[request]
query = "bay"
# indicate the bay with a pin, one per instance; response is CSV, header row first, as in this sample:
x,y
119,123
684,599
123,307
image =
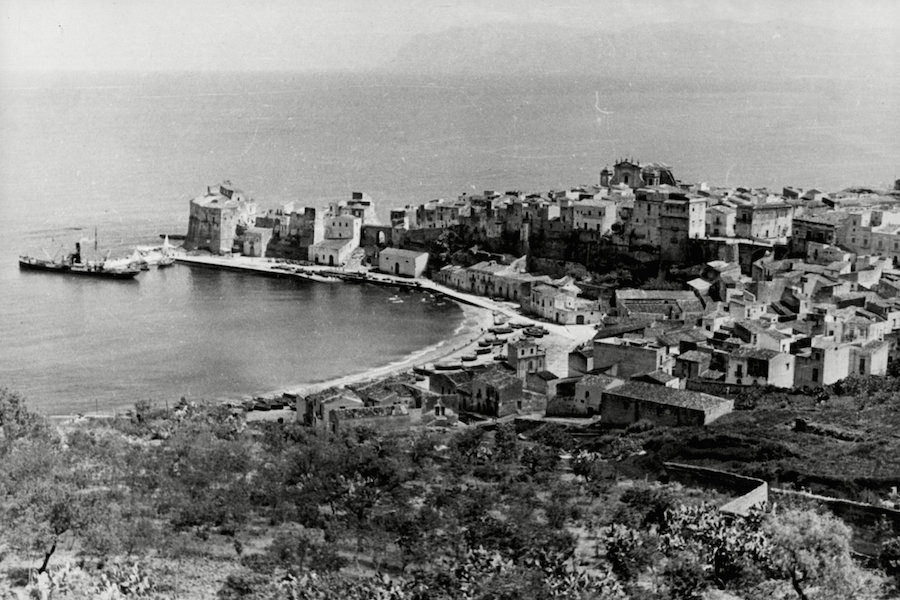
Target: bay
x,y
125,153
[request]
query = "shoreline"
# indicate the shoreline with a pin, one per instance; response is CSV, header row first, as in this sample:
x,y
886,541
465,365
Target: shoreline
x,y
479,315
476,322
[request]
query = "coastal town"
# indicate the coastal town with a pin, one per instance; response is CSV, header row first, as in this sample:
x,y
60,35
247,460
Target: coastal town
x,y
660,300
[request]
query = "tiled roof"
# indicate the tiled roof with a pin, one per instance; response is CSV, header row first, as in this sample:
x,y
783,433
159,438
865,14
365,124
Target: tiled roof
x,y
497,379
363,412
547,375
694,356
617,329
873,346
759,353
664,395
402,253
657,375
631,294
607,381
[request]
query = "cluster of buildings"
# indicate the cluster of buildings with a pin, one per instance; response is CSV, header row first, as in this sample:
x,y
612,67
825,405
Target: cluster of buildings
x,y
555,300
792,290
519,385
226,221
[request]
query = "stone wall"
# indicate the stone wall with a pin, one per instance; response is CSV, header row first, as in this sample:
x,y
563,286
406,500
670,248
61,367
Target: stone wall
x,y
716,388
567,406
750,491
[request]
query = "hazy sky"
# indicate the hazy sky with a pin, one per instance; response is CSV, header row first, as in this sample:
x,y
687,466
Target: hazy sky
x,y
336,34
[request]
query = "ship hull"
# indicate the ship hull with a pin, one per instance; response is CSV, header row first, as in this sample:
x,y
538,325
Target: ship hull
x,y
33,264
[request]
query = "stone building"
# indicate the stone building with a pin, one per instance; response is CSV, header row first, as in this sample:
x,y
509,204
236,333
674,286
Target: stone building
x,y
683,218
561,304
495,393
342,236
526,356
760,366
635,401
720,220
315,409
408,263
218,217
256,240
307,227
637,175
770,221
594,215
383,419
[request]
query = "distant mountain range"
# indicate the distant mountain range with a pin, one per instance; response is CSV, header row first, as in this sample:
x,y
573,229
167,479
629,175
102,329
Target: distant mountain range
x,y
772,50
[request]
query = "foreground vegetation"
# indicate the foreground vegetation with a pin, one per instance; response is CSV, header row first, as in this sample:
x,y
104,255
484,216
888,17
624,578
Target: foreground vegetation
x,y
198,503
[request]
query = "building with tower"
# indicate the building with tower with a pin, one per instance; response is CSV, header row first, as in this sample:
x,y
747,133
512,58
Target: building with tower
x,y
637,175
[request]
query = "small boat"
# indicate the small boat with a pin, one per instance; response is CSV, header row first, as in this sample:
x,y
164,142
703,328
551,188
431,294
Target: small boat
x,y
166,261
323,278
483,350
468,357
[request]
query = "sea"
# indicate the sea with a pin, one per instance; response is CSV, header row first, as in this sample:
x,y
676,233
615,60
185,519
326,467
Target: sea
x,y
113,159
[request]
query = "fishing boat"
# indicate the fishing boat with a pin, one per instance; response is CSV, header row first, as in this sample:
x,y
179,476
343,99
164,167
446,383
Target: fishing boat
x,y
165,261
74,265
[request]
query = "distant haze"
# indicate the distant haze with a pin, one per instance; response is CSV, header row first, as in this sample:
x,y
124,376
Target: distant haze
x,y
519,35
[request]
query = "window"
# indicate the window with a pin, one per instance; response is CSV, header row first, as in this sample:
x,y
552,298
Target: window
x,y
862,366
815,374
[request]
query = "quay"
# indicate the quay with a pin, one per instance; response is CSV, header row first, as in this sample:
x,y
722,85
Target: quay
x,y
268,267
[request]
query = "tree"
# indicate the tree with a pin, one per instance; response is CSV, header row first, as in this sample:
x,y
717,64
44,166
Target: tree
x,y
889,558
206,479
812,552
42,501
506,443
538,458
16,421
296,550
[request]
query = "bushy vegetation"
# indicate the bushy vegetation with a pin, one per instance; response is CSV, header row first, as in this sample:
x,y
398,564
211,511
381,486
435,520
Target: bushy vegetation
x,y
280,511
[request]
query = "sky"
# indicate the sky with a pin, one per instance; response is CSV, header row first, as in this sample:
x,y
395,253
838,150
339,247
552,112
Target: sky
x,y
305,35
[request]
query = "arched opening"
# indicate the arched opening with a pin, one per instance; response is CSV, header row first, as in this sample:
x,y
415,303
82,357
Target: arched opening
x,y
330,260
396,268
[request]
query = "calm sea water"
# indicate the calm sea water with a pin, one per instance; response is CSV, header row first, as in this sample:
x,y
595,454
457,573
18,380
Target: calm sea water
x,y
125,153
